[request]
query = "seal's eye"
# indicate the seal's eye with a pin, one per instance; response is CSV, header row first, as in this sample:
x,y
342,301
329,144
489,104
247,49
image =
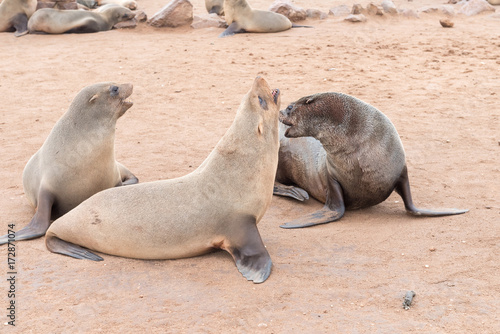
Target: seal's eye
x,y
290,107
113,90
263,103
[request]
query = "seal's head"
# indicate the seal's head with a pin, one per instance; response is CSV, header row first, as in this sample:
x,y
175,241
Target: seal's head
x,y
267,98
104,100
261,104
308,116
118,13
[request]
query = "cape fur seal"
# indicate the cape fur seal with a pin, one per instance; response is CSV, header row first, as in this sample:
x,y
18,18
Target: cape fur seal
x,y
14,15
55,21
77,159
216,206
130,4
242,18
354,159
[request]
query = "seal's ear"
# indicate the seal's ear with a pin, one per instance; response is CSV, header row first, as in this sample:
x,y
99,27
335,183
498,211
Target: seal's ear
x,y
93,98
310,99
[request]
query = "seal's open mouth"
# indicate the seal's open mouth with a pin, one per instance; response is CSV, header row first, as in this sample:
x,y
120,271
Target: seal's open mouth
x,y
275,93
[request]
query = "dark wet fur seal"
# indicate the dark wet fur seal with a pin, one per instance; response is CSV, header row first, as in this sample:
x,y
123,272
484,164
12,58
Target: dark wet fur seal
x,y
351,158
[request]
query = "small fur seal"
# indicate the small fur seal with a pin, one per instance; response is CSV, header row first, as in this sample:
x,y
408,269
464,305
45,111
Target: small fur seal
x,y
242,18
14,15
55,21
216,206
351,158
77,159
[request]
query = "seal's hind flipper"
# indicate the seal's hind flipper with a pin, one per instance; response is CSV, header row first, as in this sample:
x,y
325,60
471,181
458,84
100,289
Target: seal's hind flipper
x,y
20,23
290,191
233,28
249,253
333,210
40,221
403,189
56,245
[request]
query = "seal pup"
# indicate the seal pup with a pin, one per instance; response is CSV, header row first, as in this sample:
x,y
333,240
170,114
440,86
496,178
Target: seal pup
x,y
55,21
351,158
215,6
216,206
77,159
14,15
242,18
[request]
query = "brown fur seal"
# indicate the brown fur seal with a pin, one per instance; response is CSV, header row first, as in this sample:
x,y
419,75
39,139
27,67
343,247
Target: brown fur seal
x,y
14,15
215,6
55,21
77,159
242,18
354,159
216,206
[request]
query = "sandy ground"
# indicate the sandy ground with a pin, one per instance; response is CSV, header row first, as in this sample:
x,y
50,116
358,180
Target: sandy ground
x,y
440,87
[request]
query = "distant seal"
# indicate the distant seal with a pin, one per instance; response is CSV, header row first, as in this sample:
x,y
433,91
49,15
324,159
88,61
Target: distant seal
x,y
216,206
215,6
130,4
351,158
14,15
242,18
55,21
77,159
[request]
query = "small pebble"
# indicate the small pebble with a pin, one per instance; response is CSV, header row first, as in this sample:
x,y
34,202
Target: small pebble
x,y
446,23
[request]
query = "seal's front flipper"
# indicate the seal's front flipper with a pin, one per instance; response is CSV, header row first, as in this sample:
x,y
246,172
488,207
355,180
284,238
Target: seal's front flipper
x,y
403,189
245,245
56,245
233,28
333,210
126,176
290,191
20,23
40,221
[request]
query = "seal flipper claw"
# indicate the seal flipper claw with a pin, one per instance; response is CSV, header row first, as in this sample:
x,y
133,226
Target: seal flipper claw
x,y
290,191
40,221
56,245
333,210
248,251
403,189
